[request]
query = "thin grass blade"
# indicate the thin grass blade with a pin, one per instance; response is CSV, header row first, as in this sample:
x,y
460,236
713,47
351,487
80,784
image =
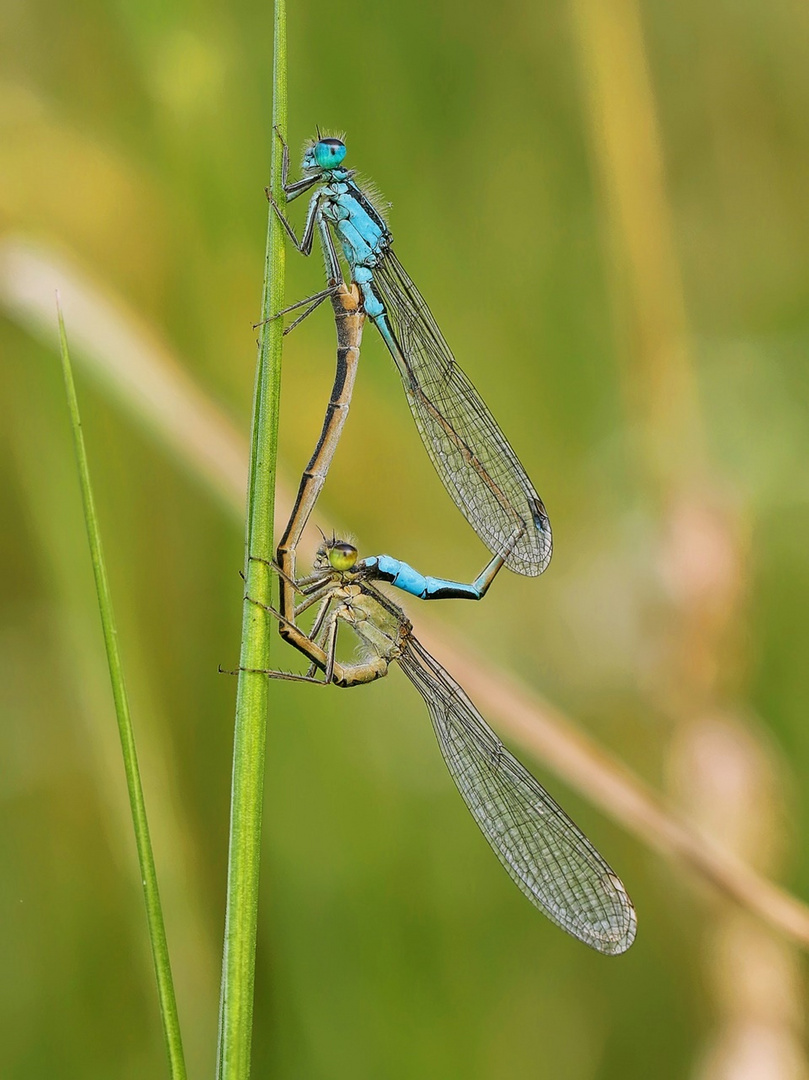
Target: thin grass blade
x,y
252,694
151,895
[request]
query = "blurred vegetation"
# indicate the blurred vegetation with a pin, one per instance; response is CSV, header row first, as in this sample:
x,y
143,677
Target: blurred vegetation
x,y
135,144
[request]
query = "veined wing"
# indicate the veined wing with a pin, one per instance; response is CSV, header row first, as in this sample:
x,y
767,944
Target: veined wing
x,y
548,857
469,451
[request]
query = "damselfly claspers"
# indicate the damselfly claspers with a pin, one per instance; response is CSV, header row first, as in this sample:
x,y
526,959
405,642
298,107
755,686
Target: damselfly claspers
x,y
349,320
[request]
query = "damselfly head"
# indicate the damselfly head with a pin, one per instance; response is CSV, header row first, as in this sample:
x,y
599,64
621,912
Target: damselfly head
x,y
341,555
328,153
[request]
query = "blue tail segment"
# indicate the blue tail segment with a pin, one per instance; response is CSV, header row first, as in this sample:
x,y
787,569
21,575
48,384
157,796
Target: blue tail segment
x,y
404,577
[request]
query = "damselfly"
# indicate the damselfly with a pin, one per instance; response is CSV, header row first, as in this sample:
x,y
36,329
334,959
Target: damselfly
x,y
542,850
475,461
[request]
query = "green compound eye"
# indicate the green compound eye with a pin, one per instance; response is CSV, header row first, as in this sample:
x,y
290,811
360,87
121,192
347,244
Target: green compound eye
x,y
342,556
329,153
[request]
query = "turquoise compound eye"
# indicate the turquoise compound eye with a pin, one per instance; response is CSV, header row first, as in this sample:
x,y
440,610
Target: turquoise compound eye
x,y
329,153
342,556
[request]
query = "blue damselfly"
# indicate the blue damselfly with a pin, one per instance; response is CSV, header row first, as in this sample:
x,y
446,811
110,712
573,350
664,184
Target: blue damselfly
x,y
475,461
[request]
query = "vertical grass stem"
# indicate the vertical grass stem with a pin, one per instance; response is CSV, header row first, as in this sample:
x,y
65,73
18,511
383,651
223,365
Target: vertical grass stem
x,y
154,914
252,695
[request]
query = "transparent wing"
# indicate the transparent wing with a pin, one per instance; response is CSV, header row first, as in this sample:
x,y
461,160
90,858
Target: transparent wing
x,y
548,857
469,451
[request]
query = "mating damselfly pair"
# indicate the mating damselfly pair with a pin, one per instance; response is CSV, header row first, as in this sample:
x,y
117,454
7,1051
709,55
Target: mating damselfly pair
x,y
543,851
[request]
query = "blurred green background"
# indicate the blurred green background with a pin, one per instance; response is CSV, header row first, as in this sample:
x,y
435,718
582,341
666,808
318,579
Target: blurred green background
x,y
606,208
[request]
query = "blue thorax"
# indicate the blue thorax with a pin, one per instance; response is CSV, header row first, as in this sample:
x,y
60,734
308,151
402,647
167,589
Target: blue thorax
x,y
362,233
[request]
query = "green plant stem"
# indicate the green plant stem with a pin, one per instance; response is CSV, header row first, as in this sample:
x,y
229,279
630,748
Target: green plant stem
x,y
252,695
154,914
